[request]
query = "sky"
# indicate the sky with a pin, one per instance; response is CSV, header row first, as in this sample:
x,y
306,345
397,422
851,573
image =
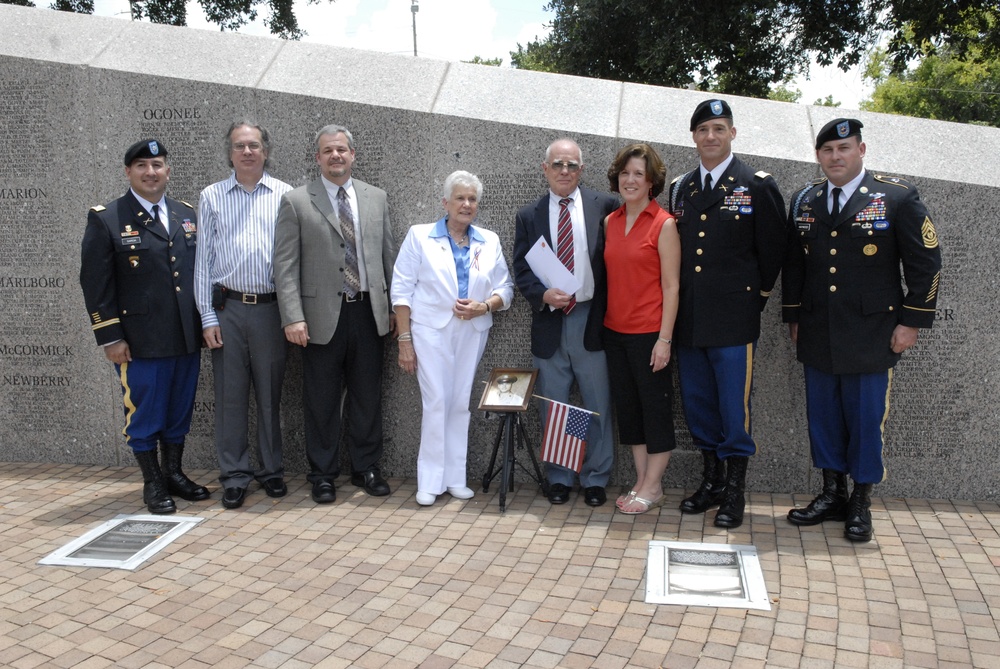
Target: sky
x,y
460,30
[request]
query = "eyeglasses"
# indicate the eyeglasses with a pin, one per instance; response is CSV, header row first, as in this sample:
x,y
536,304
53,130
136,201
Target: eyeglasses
x,y
253,146
560,165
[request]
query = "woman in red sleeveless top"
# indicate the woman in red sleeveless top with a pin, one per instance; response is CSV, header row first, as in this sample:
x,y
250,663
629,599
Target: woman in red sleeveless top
x,y
642,255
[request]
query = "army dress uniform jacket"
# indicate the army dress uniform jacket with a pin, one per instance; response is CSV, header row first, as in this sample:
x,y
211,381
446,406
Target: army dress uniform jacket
x,y
138,282
841,281
733,241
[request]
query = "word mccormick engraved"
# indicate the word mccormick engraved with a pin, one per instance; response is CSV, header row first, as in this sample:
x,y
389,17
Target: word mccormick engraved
x,y
18,350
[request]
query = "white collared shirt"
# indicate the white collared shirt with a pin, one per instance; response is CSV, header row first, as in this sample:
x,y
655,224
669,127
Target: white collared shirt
x,y
581,256
716,171
847,190
331,190
162,204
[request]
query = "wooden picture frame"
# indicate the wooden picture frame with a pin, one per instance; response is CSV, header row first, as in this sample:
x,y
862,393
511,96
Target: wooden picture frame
x,y
508,389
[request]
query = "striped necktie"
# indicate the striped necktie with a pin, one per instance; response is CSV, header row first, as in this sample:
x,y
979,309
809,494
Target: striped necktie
x,y
564,245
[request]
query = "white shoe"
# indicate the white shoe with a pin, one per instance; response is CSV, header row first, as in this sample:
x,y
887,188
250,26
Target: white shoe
x,y
425,498
461,492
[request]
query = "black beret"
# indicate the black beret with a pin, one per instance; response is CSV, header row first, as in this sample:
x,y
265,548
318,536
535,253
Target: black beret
x,y
710,109
839,128
147,148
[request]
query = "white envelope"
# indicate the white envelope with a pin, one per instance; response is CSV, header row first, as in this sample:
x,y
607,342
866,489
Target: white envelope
x,y
550,271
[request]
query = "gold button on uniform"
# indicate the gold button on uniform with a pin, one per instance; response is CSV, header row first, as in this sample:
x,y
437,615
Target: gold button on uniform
x,y
833,289
833,234
699,251
697,268
833,252
173,258
178,289
704,217
701,234
833,270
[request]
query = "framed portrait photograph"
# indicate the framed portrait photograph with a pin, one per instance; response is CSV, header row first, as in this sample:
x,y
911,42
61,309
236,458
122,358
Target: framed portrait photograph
x,y
509,389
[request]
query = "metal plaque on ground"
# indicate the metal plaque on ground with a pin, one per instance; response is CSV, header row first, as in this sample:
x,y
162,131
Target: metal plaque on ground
x,y
122,543
693,574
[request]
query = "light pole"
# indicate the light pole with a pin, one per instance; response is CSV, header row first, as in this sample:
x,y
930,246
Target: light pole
x,y
414,8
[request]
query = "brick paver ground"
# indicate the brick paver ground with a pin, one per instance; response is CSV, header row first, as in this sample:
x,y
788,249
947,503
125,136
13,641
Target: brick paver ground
x,y
381,582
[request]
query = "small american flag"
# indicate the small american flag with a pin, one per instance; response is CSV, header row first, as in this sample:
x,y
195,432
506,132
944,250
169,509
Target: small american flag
x,y
566,435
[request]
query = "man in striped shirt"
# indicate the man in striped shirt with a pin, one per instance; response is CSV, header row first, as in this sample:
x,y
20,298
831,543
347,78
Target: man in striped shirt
x,y
234,288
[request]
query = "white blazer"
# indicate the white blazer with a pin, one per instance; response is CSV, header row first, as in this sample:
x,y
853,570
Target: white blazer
x,y
424,277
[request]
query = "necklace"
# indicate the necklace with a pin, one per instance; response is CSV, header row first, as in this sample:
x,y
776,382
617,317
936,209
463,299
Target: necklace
x,y
461,241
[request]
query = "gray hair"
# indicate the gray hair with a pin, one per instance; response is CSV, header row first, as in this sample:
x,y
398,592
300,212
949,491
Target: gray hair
x,y
334,129
265,139
462,179
548,151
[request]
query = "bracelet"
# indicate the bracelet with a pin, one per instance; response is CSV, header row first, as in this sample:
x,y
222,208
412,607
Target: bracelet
x,y
665,341
405,336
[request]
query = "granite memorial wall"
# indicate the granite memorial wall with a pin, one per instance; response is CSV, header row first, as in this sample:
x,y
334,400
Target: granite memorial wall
x,y
75,91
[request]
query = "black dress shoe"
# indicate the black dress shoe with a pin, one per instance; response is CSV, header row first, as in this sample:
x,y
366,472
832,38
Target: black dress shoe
x,y
275,487
595,496
324,492
233,498
558,493
372,482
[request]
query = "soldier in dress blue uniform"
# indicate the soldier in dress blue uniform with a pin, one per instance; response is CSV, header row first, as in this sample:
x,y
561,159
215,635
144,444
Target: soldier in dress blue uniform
x,y
137,274
849,315
731,221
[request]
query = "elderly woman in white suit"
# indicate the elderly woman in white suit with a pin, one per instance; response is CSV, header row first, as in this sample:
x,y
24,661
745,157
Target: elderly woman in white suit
x,y
450,277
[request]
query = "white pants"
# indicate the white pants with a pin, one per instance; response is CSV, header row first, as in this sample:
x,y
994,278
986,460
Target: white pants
x,y
446,368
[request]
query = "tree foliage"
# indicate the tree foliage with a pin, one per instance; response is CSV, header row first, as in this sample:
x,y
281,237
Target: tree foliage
x,y
939,87
479,60
741,47
227,14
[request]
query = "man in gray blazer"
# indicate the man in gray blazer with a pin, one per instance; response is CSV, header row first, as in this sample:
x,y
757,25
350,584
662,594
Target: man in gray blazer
x,y
333,258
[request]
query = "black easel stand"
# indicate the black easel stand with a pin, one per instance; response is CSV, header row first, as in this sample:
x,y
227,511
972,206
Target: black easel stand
x,y
511,432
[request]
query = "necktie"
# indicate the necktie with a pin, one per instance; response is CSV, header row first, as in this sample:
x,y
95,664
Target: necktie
x,y
352,277
708,182
835,206
156,217
564,245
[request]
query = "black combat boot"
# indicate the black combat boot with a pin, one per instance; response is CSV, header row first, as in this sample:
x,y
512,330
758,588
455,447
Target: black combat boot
x,y
730,513
713,485
859,515
831,504
177,483
154,489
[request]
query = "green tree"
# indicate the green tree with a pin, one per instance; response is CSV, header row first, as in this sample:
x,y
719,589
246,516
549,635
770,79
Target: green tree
x,y
826,102
477,60
783,93
228,14
741,47
940,86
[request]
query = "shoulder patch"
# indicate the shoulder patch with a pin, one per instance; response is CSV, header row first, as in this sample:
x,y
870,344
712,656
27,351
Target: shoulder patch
x,y
818,181
189,205
895,181
98,208
762,174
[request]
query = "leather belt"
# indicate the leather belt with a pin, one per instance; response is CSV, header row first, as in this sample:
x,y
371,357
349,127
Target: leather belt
x,y
251,298
360,297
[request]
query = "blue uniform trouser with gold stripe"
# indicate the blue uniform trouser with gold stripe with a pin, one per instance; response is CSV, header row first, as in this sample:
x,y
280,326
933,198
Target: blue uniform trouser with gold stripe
x,y
715,387
847,414
159,399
